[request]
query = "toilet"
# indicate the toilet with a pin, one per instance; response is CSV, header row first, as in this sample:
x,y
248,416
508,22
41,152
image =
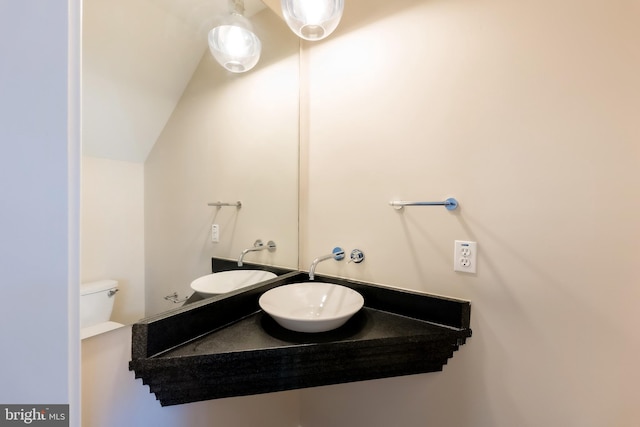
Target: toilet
x,y
96,305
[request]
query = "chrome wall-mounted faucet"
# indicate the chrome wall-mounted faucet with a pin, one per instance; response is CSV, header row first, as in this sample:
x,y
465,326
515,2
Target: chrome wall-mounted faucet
x,y
337,254
257,246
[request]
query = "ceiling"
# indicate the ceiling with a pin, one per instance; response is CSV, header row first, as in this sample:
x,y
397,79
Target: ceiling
x,y
138,56
196,12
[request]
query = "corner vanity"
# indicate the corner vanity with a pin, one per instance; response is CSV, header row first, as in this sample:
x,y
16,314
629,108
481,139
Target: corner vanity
x,y
227,346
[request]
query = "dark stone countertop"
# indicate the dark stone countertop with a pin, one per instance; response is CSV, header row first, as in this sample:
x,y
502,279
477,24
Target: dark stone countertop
x,y
226,346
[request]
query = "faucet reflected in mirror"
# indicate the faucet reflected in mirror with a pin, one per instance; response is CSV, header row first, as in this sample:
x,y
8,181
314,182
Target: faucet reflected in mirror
x,y
257,246
157,145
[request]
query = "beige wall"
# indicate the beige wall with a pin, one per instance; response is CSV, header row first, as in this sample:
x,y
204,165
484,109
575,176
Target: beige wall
x,y
231,137
526,112
112,211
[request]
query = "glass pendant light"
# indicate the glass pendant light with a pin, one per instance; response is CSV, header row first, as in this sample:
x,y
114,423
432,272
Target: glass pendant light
x,y
233,43
312,19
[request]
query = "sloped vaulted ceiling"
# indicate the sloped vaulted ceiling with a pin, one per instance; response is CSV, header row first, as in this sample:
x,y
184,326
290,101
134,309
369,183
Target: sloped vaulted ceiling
x,y
138,56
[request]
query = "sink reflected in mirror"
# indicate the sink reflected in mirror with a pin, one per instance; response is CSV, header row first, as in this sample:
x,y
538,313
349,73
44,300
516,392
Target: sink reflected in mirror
x,y
311,306
228,281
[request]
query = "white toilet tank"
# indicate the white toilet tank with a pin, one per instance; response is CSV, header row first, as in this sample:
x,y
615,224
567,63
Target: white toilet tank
x,y
96,302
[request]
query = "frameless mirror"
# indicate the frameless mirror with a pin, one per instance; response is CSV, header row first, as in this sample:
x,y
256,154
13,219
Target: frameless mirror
x,y
165,131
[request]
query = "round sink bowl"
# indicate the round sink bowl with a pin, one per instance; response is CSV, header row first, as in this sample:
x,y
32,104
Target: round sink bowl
x,y
311,306
227,281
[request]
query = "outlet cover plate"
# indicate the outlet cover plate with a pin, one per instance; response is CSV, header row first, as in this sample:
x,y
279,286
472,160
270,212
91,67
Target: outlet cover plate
x,y
465,256
215,233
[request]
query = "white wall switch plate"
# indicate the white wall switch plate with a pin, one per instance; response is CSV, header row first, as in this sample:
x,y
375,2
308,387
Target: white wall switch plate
x,y
465,256
215,233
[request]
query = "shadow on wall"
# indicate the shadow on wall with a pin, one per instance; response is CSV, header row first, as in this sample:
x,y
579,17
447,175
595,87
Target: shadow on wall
x,y
111,396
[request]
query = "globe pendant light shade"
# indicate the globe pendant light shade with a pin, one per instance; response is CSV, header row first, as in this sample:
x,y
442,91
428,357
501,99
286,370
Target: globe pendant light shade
x,y
234,44
312,19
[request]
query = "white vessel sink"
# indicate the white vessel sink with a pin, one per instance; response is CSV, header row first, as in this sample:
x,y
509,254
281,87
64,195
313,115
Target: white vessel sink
x,y
227,281
311,306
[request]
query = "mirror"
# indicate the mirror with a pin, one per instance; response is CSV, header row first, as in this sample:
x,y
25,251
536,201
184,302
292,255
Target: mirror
x,y
166,130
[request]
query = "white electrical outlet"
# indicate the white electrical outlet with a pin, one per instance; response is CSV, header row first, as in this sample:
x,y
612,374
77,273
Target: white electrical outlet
x,y
215,233
465,256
